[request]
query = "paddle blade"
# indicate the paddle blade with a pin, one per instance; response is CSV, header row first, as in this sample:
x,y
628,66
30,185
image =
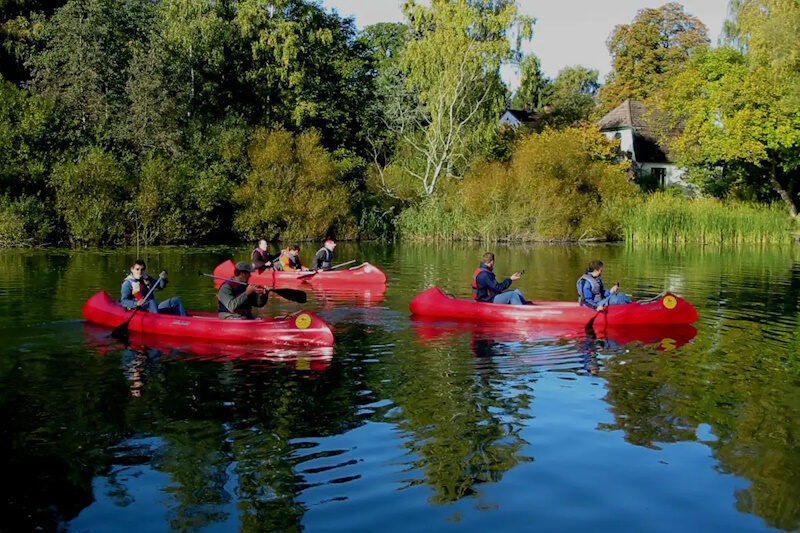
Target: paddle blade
x,y
293,295
121,332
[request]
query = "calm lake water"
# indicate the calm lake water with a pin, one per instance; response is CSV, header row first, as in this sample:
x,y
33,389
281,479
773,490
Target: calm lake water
x,y
408,424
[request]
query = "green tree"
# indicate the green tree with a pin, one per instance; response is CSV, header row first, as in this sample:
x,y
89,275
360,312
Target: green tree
x,y
533,84
291,191
82,62
734,118
572,95
649,51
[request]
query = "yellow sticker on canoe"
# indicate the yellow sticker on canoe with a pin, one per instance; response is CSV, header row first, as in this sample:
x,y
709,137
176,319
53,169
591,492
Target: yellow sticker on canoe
x,y
668,344
669,302
302,321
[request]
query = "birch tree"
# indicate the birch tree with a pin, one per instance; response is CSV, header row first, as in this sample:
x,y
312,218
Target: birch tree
x,y
453,92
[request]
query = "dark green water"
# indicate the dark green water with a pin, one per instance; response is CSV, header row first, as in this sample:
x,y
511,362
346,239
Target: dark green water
x,y
408,424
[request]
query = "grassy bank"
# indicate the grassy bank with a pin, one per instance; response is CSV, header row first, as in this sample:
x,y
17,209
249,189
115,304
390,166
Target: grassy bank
x,y
668,219
659,218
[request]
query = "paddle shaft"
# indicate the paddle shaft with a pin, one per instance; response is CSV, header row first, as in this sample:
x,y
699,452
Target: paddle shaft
x,y
314,272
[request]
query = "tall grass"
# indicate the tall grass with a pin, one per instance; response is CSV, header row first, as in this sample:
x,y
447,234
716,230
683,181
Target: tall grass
x,y
664,218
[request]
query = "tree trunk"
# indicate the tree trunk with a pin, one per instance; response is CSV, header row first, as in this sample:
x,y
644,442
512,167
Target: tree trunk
x,y
785,195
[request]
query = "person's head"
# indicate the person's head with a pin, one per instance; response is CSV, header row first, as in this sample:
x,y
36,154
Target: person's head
x,y
294,250
262,245
242,271
330,245
137,268
488,259
595,267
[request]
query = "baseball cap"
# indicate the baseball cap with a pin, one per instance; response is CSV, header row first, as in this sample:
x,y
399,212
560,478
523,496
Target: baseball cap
x,y
243,266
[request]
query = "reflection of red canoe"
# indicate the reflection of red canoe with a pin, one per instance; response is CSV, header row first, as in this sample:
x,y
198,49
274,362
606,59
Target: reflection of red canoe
x,y
364,296
666,337
365,274
666,309
306,358
304,329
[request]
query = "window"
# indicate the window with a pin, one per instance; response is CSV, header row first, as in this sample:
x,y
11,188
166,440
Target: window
x,y
660,176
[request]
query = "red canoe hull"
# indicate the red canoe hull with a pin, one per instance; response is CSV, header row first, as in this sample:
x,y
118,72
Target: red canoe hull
x,y
666,309
303,329
362,275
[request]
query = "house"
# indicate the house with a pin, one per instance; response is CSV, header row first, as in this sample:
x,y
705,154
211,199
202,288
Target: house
x,y
520,117
638,132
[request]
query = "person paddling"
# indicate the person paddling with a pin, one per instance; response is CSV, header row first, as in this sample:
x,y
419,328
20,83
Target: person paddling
x,y
485,287
236,298
136,286
260,257
290,259
592,293
324,256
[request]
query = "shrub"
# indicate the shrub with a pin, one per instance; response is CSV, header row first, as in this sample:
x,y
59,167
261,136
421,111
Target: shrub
x,y
292,190
24,221
91,194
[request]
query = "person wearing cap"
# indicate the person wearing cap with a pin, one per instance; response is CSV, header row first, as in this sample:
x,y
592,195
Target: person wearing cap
x,y
260,257
236,298
135,292
324,256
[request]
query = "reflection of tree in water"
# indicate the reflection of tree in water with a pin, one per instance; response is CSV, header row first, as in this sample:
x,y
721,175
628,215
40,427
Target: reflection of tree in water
x,y
744,384
464,424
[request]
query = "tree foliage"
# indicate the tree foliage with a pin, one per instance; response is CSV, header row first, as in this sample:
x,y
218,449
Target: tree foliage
x,y
647,52
292,190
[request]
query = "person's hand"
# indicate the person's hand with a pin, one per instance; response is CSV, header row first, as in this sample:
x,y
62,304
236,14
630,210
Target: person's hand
x,y
260,289
250,289
599,308
140,302
515,276
268,264
614,288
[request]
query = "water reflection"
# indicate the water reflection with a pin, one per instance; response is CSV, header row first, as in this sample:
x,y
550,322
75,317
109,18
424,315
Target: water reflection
x,y
408,418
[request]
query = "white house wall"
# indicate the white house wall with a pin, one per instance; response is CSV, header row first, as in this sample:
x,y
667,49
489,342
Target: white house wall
x,y
625,140
672,174
509,119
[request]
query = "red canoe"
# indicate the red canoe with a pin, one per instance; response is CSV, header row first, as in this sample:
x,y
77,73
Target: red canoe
x,y
362,275
303,329
665,309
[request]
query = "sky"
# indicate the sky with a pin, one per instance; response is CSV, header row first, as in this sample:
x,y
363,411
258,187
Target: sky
x,y
567,32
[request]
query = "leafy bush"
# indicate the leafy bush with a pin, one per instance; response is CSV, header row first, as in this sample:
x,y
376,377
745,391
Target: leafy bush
x,y
562,185
292,190
24,221
91,194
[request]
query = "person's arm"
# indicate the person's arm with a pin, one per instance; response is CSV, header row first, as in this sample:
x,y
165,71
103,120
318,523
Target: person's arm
x,y
127,300
228,300
319,258
488,281
588,297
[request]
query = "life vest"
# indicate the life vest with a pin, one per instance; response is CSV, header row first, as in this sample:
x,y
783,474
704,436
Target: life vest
x,y
238,289
139,287
595,283
481,268
263,256
326,263
290,262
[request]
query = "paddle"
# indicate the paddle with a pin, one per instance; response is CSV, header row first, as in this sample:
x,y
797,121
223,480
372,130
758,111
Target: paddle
x,y
340,265
121,331
293,295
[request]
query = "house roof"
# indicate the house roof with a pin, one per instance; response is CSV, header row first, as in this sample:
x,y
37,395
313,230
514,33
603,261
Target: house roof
x,y
652,135
527,118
